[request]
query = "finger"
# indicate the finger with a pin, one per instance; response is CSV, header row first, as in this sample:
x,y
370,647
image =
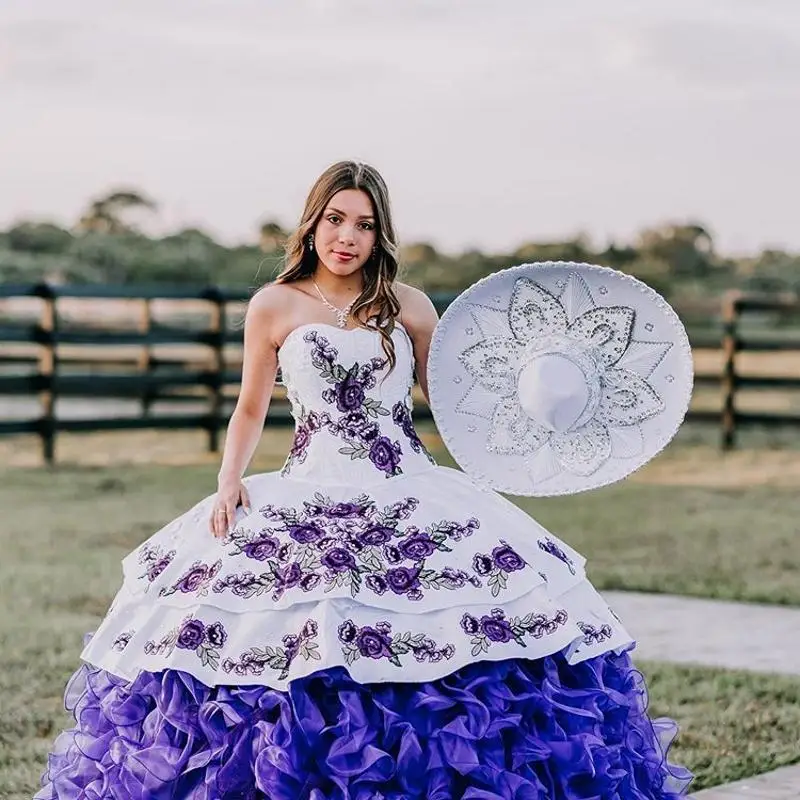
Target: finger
x,y
245,497
230,516
220,522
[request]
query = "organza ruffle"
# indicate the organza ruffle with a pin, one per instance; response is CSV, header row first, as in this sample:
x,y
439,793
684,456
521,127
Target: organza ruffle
x,y
537,730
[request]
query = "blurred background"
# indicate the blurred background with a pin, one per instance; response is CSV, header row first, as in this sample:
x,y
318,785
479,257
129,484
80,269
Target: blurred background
x,y
156,154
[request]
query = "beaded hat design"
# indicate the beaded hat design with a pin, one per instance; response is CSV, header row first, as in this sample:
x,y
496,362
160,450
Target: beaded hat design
x,y
558,377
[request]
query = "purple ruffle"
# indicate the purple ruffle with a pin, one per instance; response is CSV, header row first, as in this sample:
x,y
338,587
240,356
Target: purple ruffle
x,y
511,729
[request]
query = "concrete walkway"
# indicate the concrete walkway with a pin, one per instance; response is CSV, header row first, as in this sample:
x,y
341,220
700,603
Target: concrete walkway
x,y
716,633
781,784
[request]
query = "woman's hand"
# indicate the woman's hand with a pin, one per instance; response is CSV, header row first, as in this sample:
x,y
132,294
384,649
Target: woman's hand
x,y
231,493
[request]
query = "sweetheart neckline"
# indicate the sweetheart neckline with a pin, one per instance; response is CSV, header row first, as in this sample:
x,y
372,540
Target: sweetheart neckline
x,y
304,325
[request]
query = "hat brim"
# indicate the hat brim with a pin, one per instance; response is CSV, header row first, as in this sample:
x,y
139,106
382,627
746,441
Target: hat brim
x,y
646,360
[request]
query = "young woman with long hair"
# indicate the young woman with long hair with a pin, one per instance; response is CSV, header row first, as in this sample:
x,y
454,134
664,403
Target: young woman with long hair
x,y
340,629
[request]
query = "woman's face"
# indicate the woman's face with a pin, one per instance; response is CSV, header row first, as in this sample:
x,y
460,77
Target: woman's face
x,y
345,234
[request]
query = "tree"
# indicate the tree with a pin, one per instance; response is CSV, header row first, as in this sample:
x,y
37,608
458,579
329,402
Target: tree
x,y
105,215
688,248
38,237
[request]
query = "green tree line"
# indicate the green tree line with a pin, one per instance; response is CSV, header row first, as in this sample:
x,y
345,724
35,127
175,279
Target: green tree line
x,y
107,245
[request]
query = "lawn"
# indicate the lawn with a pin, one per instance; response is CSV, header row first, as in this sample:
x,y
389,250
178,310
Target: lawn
x,y
693,522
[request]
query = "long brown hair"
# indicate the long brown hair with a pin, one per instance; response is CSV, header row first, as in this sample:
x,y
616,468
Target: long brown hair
x,y
380,270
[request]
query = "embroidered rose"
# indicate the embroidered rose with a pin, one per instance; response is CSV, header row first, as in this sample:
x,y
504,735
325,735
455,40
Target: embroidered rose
x,y
495,628
191,634
216,635
507,559
482,564
377,583
469,624
309,581
305,532
193,579
402,580
417,547
376,535
498,630
343,510
373,644
385,455
392,554
339,560
349,394
261,549
378,642
347,631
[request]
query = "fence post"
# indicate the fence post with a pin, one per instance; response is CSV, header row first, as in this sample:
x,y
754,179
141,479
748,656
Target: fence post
x,y
216,398
48,372
145,361
730,346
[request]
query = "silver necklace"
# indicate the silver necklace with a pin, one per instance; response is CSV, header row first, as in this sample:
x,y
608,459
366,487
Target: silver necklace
x,y
341,313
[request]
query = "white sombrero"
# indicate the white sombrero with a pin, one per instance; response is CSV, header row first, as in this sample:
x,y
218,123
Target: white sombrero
x,y
558,377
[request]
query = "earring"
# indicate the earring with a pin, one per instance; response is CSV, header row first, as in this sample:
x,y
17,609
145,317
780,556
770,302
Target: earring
x,y
311,241
374,251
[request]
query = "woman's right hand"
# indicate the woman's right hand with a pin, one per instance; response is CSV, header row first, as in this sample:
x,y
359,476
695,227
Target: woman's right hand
x,y
231,493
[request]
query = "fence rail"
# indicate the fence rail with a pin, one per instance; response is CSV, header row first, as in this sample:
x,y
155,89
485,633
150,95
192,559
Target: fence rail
x,y
56,355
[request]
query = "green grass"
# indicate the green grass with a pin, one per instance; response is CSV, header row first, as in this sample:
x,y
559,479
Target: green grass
x,y
63,532
737,543
733,724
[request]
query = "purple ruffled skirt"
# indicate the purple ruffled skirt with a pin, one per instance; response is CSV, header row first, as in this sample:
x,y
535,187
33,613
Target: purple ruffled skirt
x,y
532,730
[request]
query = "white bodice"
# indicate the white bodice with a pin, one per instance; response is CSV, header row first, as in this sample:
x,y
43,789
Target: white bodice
x,y
352,414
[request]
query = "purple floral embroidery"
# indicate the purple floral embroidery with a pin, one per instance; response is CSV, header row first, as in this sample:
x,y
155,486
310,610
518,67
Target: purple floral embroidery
x,y
401,416
348,544
307,425
497,566
256,659
592,634
378,642
155,560
192,634
122,641
495,628
195,580
549,546
384,454
357,412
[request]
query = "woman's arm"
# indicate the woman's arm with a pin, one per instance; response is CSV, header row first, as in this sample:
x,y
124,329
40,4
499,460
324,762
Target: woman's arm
x,y
419,318
259,368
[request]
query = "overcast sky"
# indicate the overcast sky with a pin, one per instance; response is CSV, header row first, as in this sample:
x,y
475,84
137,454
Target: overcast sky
x,y
493,122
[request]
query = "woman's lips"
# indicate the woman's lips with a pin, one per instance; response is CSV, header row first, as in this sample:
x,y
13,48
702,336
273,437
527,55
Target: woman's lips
x,y
344,256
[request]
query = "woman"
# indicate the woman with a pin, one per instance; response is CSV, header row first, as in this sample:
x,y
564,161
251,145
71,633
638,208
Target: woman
x,y
364,623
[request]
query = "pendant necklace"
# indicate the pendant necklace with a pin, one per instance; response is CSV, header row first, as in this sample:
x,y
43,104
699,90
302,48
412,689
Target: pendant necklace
x,y
341,313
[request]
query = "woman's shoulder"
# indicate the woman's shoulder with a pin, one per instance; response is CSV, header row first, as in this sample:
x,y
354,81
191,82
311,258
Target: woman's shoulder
x,y
416,308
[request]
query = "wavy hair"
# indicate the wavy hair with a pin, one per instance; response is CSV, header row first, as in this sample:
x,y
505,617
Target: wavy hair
x,y
380,270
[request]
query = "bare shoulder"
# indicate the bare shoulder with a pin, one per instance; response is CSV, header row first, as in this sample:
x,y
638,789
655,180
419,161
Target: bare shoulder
x,y
269,308
416,308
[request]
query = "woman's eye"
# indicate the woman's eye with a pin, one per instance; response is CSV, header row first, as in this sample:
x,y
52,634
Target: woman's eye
x,y
367,226
334,219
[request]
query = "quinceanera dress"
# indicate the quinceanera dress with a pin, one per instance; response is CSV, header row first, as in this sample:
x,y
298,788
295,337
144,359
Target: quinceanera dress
x,y
377,627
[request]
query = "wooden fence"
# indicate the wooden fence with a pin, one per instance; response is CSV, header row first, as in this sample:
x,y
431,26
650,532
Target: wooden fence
x,y
56,355
736,306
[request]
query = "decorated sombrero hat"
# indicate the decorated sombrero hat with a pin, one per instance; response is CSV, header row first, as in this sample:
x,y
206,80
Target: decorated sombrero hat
x,y
558,377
